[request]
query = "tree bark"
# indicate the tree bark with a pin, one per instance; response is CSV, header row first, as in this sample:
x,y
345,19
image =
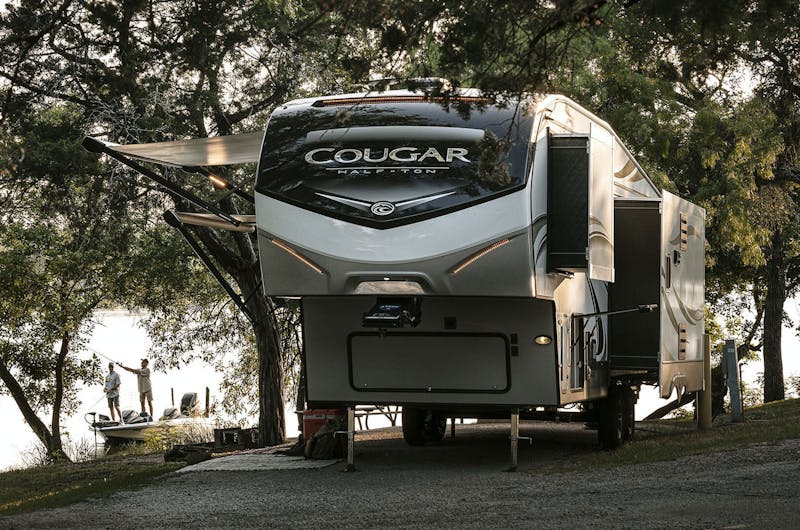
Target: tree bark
x,y
773,318
271,420
271,416
37,425
300,400
55,450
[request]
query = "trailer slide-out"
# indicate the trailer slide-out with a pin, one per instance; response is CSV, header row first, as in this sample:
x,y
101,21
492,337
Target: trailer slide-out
x,y
470,256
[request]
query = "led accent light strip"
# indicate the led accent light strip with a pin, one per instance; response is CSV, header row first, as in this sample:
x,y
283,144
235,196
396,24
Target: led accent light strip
x,y
297,255
475,257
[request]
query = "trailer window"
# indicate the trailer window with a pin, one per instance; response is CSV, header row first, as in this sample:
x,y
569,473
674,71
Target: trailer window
x,y
388,164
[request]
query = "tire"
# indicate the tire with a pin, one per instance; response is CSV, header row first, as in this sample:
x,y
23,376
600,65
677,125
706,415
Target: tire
x,y
610,419
435,426
421,426
628,413
414,425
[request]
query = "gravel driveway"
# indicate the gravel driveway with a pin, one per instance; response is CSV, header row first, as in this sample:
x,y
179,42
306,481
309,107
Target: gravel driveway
x,y
461,484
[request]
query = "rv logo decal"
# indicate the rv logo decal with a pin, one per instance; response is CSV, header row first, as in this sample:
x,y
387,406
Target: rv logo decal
x,y
382,208
328,155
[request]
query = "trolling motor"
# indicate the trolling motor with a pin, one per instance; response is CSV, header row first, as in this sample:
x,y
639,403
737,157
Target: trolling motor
x,y
394,312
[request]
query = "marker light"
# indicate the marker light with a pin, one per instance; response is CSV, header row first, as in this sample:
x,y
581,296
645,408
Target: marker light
x,y
297,255
478,255
543,340
217,182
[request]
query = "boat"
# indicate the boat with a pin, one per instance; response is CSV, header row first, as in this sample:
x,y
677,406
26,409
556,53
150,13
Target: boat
x,y
175,424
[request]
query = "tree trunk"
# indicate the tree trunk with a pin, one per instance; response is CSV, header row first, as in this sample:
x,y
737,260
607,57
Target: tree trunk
x,y
55,450
300,400
271,420
773,319
37,426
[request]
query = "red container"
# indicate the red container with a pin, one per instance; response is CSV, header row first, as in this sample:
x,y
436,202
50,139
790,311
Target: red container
x,y
314,419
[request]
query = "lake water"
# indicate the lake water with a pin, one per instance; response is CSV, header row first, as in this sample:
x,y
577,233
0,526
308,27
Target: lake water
x,y
119,337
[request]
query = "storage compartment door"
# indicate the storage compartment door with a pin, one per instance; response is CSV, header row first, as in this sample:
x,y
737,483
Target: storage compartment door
x,y
682,295
429,362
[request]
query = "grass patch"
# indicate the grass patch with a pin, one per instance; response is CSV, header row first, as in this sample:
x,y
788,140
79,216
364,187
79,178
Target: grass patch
x,y
671,439
55,485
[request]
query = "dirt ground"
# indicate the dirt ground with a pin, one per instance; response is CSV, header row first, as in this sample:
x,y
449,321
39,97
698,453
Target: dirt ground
x,y
462,483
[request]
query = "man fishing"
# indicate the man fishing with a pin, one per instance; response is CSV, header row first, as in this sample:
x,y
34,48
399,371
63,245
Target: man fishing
x,y
145,388
112,391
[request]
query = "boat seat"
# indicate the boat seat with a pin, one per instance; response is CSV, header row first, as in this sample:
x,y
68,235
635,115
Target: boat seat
x,y
171,413
130,416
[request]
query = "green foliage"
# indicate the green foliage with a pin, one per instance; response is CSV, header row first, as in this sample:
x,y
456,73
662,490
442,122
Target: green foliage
x,y
241,371
138,71
705,94
62,253
793,383
669,440
59,485
507,46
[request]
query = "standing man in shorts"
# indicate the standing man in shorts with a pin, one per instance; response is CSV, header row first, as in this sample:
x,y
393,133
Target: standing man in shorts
x,y
145,388
112,391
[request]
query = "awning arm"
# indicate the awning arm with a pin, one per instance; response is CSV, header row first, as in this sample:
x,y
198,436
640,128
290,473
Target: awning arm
x,y
206,219
219,182
98,146
174,221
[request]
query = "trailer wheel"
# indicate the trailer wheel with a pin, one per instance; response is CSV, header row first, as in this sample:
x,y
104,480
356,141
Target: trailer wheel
x,y
423,425
435,426
629,413
414,425
610,419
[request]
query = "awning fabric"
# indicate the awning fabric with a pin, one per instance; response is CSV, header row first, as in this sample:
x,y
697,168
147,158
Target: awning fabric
x,y
213,151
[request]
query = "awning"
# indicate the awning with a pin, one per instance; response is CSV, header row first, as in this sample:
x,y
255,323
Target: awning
x,y
213,151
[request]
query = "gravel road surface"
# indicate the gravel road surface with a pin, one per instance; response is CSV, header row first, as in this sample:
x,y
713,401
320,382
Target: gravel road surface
x,y
461,483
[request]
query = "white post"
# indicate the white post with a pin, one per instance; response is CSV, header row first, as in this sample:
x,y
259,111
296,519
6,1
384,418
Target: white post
x,y
731,368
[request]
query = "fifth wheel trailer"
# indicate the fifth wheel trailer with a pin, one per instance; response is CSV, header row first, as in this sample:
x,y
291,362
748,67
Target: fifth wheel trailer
x,y
475,256
469,256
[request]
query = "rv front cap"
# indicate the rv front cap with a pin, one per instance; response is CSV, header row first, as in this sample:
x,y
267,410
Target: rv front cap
x,y
322,155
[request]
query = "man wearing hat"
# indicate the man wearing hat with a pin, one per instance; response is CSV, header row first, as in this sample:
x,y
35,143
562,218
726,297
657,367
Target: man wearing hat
x,y
145,388
112,391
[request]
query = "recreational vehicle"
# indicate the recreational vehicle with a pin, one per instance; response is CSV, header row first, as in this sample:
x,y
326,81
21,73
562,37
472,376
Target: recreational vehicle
x,y
468,256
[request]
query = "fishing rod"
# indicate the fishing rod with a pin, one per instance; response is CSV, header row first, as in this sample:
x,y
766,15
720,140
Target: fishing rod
x,y
98,401
104,356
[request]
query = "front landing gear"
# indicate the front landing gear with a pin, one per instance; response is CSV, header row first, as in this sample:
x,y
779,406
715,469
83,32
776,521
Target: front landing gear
x,y
616,421
515,438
